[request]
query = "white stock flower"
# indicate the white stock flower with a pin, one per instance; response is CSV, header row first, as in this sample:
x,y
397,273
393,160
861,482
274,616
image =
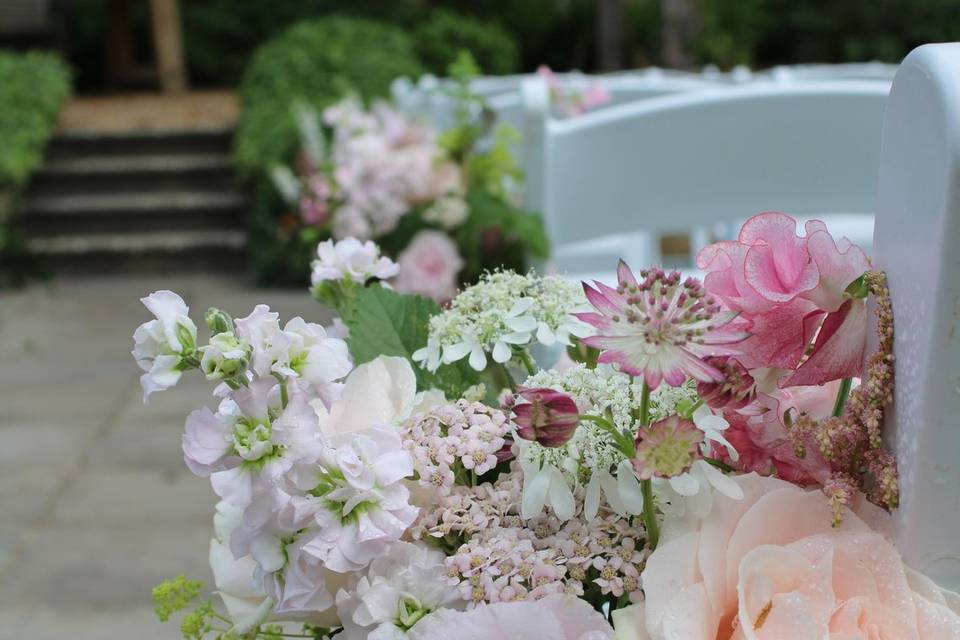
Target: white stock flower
x,y
448,211
364,503
380,392
246,602
398,590
161,345
309,353
351,259
226,356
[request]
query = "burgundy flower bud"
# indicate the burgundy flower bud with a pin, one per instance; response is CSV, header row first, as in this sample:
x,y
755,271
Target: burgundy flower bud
x,y
735,391
546,416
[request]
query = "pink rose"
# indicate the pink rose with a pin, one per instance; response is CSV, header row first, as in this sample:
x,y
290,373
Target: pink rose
x,y
787,287
771,567
429,266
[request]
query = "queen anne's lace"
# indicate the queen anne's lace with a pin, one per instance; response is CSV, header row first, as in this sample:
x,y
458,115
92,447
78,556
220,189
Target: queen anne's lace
x,y
502,311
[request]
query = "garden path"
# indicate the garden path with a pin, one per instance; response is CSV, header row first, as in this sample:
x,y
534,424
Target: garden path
x,y
96,505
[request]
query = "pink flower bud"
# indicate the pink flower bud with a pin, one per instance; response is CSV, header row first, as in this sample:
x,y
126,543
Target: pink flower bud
x,y
735,391
546,416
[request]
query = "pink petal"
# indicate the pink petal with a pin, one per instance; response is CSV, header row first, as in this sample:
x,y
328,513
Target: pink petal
x,y
838,351
837,266
624,276
600,301
780,335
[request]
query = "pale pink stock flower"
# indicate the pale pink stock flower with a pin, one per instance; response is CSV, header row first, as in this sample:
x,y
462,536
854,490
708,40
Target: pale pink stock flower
x,y
659,328
771,566
429,266
554,617
784,285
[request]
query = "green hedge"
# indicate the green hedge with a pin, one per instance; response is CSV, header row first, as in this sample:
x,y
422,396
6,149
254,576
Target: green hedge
x,y
33,86
444,34
317,61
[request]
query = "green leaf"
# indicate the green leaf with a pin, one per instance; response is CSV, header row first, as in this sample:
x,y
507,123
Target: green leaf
x,y
384,322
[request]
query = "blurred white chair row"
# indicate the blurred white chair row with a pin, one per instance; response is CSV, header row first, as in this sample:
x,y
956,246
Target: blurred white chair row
x,y
686,153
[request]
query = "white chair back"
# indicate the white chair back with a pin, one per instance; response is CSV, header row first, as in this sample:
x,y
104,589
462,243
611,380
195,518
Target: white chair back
x,y
917,235
675,163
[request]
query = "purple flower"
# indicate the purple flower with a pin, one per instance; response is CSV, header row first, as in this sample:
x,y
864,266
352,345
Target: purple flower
x,y
659,328
549,417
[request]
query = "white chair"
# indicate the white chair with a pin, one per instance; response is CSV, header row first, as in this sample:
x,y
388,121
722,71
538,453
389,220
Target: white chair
x,y
688,161
917,235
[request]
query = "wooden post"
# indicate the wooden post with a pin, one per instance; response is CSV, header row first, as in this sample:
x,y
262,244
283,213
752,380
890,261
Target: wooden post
x,y
680,25
915,242
168,45
609,33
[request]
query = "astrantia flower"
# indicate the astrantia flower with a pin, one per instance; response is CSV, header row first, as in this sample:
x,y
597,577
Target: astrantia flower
x,y
503,311
163,346
547,416
351,259
659,328
667,448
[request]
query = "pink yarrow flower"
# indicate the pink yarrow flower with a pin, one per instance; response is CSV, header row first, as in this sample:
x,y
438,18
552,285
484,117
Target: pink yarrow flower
x,y
659,328
546,416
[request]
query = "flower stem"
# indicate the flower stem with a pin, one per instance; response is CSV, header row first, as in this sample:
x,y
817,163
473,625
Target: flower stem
x,y
527,361
646,486
842,395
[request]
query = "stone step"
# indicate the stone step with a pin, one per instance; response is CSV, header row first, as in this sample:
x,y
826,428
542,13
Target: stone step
x,y
134,172
47,216
144,252
85,145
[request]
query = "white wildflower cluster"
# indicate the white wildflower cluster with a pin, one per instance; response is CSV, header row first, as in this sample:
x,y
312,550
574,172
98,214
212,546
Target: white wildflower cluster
x,y
503,312
590,458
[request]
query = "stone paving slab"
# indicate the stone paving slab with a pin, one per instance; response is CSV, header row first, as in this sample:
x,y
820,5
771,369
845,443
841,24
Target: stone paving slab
x,y
96,503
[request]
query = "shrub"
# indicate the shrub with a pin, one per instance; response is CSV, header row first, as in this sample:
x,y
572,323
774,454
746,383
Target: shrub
x,y
317,62
33,86
444,34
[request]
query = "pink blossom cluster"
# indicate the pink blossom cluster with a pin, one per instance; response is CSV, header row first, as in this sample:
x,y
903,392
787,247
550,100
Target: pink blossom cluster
x,y
495,556
379,166
460,439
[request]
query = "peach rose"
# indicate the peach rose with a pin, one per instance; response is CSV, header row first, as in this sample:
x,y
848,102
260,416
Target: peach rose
x,y
771,567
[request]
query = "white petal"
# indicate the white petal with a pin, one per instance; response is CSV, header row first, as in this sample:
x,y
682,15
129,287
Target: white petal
x,y
501,352
517,337
535,488
478,359
723,483
591,503
545,336
611,491
685,484
519,307
628,488
711,422
561,497
454,352
523,323
718,437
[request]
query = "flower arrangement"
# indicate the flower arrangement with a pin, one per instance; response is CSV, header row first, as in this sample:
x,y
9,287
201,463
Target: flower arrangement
x,y
702,461
440,204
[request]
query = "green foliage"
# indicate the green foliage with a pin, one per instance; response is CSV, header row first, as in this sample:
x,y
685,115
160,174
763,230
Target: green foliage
x,y
497,233
176,594
384,322
33,86
731,31
439,38
317,62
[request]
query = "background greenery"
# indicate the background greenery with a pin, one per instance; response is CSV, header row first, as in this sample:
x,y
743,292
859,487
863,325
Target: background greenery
x,y
33,86
221,35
